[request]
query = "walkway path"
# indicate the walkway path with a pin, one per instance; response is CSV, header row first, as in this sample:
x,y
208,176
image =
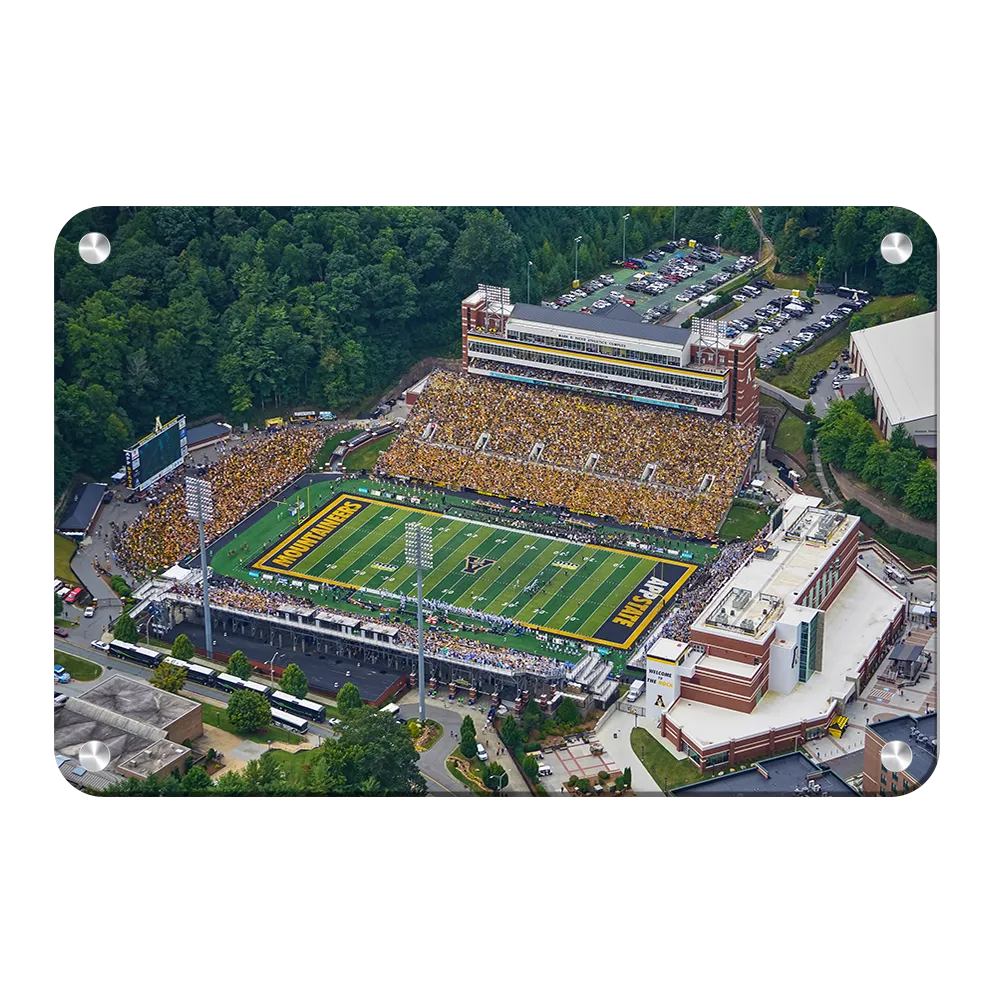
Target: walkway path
x,y
880,505
619,747
786,397
832,498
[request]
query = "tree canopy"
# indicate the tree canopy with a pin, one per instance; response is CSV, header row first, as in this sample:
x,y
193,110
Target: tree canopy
x,y
294,682
843,246
349,698
183,648
168,677
248,711
125,630
373,756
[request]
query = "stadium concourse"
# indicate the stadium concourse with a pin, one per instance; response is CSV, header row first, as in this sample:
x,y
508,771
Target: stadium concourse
x,y
577,451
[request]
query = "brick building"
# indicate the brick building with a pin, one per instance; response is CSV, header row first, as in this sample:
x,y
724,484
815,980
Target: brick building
x,y
787,642
919,733
612,354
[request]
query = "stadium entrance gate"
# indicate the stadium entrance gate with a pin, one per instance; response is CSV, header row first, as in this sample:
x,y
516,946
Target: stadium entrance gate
x,y
630,708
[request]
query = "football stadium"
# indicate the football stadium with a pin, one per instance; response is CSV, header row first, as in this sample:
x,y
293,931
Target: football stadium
x,y
574,491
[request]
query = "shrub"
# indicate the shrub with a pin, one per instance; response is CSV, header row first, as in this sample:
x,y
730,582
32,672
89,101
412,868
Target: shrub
x,y
529,747
602,776
583,786
572,781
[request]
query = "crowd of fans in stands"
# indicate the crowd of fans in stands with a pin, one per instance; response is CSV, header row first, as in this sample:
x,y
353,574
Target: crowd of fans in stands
x,y
439,640
255,468
627,437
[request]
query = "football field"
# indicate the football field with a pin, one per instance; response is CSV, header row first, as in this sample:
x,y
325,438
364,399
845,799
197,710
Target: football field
x,y
583,591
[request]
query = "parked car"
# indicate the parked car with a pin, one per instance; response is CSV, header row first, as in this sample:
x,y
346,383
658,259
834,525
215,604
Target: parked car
x,y
481,752
73,595
103,646
89,613
61,632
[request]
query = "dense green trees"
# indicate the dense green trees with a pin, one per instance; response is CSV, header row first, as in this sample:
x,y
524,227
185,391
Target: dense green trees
x,y
897,466
59,605
224,310
844,245
372,756
467,732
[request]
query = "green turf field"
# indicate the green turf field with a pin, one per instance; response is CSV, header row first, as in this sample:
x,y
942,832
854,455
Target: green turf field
x,y
585,592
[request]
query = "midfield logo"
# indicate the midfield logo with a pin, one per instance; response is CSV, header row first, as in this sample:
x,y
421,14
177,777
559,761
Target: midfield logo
x,y
473,564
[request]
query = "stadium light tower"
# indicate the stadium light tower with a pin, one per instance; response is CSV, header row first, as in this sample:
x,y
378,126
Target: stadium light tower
x,y
198,500
576,259
420,553
625,218
528,272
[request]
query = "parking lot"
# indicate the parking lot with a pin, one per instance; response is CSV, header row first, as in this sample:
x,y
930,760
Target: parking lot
x,y
668,298
793,327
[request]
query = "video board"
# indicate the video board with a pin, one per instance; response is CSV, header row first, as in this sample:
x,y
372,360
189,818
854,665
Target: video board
x,y
156,455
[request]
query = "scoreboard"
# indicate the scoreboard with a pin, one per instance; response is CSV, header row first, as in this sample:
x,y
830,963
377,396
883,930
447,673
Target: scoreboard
x,y
156,455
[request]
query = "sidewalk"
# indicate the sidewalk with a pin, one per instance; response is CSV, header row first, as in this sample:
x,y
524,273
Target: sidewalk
x,y
620,748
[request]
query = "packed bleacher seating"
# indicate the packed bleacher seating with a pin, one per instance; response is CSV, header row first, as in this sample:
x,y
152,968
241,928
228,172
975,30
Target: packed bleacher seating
x,y
252,470
443,640
686,447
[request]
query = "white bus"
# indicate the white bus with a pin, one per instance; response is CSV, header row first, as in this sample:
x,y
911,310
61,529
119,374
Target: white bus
x,y
288,721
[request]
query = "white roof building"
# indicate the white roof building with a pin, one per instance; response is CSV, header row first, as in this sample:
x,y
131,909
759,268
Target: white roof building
x,y
899,360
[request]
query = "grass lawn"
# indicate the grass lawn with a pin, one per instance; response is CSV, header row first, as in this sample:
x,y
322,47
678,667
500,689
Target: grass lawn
x,y
799,281
364,458
666,770
893,307
743,522
213,715
65,547
66,623
476,766
790,433
808,363
323,455
77,667
912,556
295,765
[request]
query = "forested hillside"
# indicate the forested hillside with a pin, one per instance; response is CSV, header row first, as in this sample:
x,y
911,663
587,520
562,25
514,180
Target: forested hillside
x,y
209,310
841,245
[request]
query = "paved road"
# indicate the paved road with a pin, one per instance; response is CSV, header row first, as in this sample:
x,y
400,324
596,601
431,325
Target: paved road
x,y
875,501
